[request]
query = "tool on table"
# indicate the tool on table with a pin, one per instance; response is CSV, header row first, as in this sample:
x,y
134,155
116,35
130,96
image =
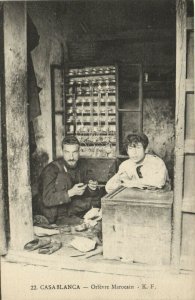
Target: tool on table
x,y
97,251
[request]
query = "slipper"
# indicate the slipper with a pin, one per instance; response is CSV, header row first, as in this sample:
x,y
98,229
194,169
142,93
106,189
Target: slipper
x,y
37,243
50,248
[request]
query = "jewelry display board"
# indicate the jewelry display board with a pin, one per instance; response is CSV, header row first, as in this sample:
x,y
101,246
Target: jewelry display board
x,y
90,109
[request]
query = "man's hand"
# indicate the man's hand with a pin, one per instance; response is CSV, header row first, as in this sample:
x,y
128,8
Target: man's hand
x,y
92,185
77,189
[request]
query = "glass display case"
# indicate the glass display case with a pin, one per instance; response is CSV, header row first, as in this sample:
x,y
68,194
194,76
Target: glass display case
x,y
90,109
99,104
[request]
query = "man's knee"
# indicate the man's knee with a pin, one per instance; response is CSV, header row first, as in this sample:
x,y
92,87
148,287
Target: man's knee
x,y
78,207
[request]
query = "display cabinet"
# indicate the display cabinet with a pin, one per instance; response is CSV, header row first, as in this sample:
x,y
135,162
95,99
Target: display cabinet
x,y
100,104
90,109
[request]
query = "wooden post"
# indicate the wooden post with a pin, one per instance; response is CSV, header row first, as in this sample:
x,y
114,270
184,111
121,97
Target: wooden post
x,y
19,192
179,130
3,248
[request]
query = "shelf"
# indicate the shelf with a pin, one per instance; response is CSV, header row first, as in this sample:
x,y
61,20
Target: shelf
x,y
109,81
91,75
94,94
101,114
99,134
92,70
87,104
95,103
93,123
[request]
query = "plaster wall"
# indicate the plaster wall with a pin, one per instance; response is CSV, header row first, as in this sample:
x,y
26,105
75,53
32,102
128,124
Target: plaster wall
x,y
158,124
49,51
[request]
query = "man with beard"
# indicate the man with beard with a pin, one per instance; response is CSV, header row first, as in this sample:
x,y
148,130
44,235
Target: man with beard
x,y
67,188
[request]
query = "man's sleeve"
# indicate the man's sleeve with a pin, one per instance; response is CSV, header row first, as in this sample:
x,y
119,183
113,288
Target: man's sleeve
x,y
156,175
113,183
50,195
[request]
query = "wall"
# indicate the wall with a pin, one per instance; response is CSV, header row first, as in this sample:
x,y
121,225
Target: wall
x,y
158,124
49,51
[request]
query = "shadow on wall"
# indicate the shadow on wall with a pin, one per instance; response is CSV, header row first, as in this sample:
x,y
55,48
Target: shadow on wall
x,y
38,162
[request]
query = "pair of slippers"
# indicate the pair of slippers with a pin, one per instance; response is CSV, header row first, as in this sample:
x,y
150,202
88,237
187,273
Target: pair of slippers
x,y
45,246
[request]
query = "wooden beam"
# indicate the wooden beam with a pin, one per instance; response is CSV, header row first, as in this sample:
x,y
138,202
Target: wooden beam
x,y
138,35
179,129
15,56
3,246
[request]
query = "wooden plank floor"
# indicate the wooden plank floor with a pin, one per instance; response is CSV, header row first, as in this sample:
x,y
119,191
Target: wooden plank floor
x,y
62,259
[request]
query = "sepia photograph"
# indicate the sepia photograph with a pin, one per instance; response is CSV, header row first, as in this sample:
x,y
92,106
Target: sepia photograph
x,y
97,150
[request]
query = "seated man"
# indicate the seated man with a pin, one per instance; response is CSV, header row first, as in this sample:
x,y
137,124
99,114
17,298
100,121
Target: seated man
x,y
66,187
141,170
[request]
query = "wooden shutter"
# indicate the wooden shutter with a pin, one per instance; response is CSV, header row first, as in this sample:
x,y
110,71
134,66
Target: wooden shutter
x,y
184,182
